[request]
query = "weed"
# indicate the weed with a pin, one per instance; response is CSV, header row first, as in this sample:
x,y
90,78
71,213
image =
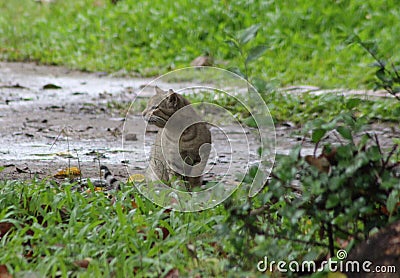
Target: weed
x,y
387,75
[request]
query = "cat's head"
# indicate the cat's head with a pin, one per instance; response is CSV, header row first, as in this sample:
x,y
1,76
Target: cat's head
x,y
162,106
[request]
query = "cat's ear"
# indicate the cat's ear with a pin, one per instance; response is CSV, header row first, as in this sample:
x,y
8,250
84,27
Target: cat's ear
x,y
158,90
173,98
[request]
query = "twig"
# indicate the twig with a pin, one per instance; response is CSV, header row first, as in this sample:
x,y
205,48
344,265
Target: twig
x,y
338,137
98,159
395,71
69,158
56,139
330,238
394,148
315,148
337,228
261,232
79,167
379,148
258,211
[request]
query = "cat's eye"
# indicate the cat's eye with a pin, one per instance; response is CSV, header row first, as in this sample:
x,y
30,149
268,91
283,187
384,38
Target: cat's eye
x,y
154,107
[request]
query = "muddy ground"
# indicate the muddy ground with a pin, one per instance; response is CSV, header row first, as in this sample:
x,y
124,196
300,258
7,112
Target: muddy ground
x,y
52,118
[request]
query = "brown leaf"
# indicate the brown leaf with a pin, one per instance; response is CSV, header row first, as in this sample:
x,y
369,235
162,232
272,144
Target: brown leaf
x,y
330,155
68,172
3,269
385,211
321,163
83,263
5,227
173,273
165,232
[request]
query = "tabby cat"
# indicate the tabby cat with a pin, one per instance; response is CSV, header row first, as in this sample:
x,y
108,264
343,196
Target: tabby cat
x,y
183,142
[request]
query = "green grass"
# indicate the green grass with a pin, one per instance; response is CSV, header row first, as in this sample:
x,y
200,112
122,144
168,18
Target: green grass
x,y
302,108
56,226
306,39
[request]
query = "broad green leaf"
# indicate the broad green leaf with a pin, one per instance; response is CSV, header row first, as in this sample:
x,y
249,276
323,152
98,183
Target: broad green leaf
x,y
250,121
348,119
256,52
260,84
233,43
392,201
351,103
317,134
372,47
381,75
345,152
396,89
248,34
329,125
353,38
345,132
332,201
373,153
237,71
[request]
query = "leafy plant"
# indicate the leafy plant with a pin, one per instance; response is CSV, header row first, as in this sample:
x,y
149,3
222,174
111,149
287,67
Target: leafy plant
x,y
240,42
387,73
315,205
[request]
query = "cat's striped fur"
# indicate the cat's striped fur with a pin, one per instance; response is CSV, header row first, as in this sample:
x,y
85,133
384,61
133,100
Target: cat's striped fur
x,y
193,144
185,132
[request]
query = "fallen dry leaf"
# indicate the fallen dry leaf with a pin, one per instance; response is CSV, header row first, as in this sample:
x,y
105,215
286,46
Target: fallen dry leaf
x,y
136,178
4,272
173,273
321,163
68,172
83,263
385,211
96,189
65,154
5,227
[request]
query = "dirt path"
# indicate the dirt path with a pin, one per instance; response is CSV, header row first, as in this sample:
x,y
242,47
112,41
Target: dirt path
x,y
52,118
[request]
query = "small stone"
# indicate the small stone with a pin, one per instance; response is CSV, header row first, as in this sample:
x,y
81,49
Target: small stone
x,y
130,137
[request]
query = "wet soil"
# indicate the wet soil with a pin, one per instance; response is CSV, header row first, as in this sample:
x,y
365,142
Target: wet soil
x,y
52,118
